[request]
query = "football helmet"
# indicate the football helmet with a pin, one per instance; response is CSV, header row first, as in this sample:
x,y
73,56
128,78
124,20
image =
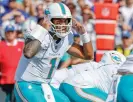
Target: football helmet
x,y
113,57
60,11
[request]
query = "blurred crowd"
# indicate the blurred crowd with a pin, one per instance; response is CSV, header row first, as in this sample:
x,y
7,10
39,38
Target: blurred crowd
x,y
14,12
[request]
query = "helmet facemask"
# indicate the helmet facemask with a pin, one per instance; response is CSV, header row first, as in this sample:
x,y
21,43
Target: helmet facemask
x,y
61,30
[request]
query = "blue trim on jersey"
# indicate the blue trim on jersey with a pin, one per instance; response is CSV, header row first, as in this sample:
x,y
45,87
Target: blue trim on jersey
x,y
62,8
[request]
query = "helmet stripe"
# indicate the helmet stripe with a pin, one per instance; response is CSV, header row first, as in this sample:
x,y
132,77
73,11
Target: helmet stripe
x,y
62,8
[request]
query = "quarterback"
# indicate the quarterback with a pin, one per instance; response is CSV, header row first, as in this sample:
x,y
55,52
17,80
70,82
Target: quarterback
x,y
43,50
89,82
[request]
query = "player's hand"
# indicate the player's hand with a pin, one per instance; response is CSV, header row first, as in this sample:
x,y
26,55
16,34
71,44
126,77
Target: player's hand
x,y
46,24
78,26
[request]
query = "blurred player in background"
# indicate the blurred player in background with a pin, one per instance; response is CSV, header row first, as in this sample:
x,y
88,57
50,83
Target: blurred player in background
x,y
89,82
43,50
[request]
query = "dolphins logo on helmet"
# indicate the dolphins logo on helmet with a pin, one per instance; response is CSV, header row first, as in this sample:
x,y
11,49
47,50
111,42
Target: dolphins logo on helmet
x,y
113,57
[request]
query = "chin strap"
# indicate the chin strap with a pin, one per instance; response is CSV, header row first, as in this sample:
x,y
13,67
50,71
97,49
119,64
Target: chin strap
x,y
55,37
52,34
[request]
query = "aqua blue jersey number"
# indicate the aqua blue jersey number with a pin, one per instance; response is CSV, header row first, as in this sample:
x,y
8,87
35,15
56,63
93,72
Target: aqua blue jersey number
x,y
52,62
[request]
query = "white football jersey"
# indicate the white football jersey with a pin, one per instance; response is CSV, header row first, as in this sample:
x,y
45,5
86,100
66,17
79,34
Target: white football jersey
x,y
79,68
62,74
41,67
100,77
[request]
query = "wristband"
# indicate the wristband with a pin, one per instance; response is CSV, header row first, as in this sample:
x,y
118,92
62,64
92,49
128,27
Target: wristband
x,y
85,38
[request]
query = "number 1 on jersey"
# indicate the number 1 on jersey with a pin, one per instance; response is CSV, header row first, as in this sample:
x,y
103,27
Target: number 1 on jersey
x,y
52,62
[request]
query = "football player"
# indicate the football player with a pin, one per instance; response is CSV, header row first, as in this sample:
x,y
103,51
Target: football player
x,y
91,81
122,86
44,47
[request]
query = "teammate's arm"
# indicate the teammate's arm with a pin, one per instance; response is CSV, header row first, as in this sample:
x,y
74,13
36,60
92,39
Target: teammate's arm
x,y
85,51
31,47
75,60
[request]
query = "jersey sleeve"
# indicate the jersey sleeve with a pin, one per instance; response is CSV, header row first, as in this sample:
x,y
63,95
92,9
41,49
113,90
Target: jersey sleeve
x,y
70,40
